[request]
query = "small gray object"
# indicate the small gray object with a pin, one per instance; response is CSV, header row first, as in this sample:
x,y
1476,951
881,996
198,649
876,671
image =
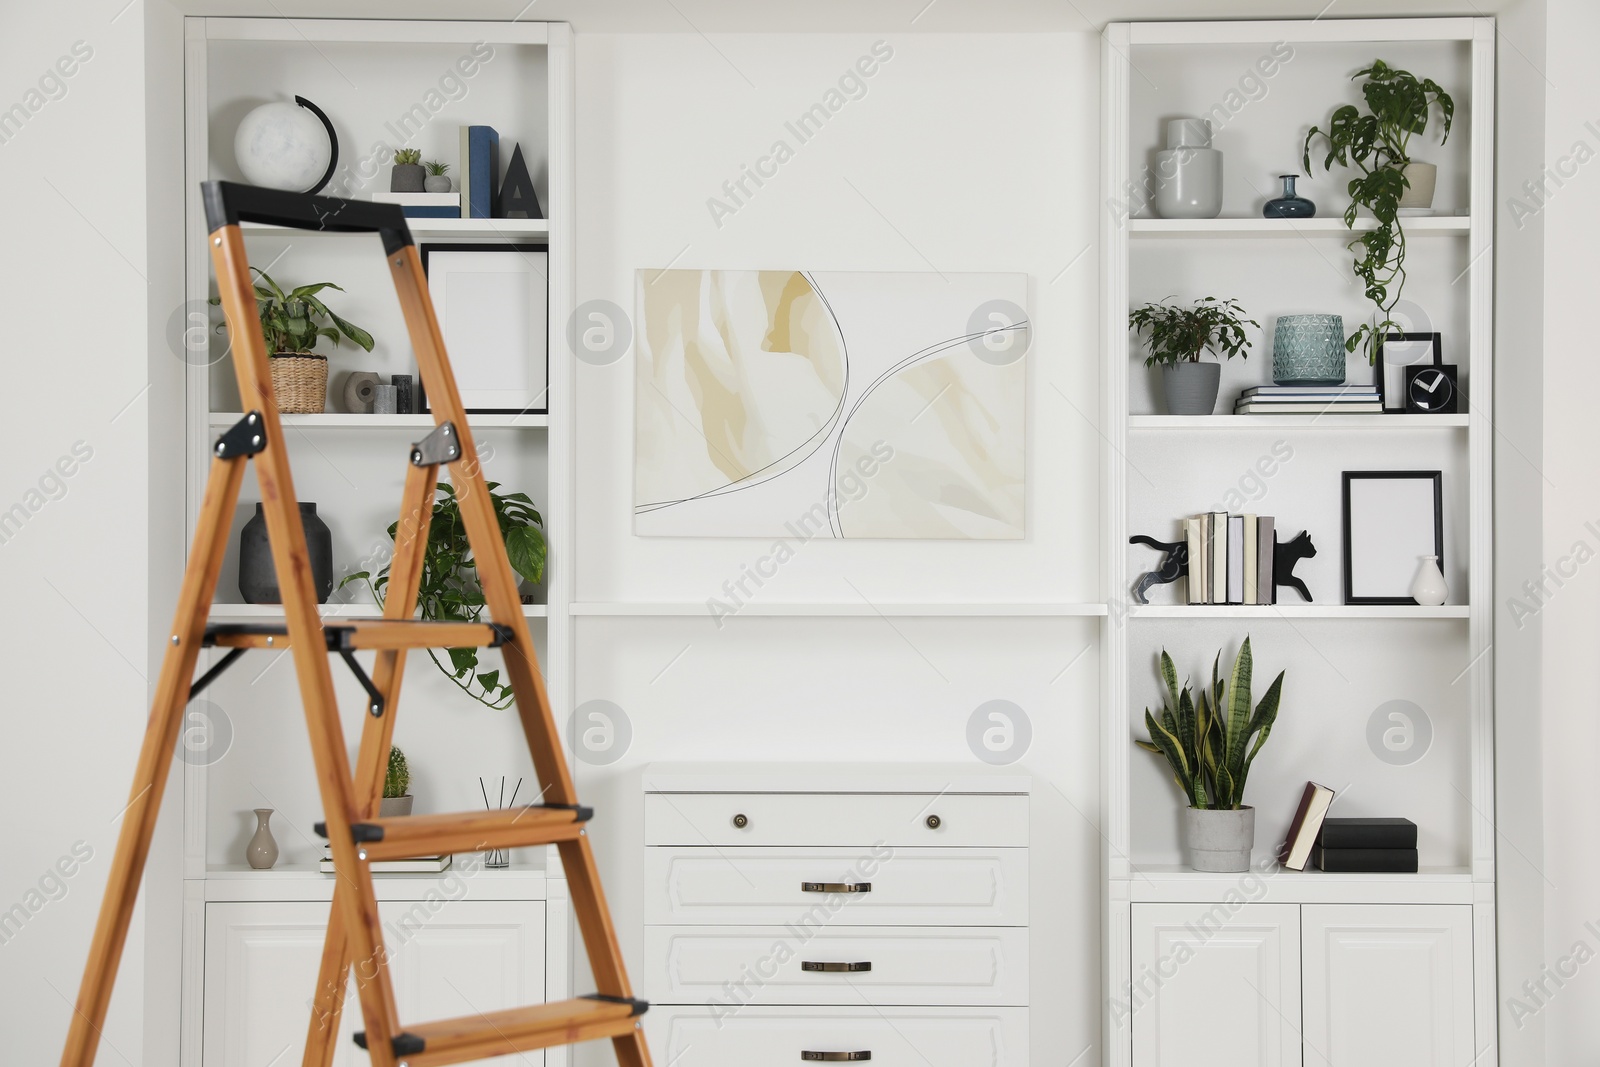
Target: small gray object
x,y
360,389
385,400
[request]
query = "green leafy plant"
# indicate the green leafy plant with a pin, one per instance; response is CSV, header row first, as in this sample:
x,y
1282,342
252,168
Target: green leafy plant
x,y
397,780
407,157
289,320
1378,144
437,169
450,590
1185,333
1204,736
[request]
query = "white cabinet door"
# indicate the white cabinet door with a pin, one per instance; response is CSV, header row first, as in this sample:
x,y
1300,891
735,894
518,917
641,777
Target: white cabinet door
x,y
1213,986
450,958
1388,985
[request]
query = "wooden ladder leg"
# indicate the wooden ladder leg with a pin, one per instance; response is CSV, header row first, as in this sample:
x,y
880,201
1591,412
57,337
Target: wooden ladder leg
x,y
500,593
286,535
155,759
372,759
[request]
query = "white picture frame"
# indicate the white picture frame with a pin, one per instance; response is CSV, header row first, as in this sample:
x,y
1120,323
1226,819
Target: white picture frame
x,y
1392,520
493,305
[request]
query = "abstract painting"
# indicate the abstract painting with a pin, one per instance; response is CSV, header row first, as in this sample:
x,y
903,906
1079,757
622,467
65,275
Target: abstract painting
x,y
783,403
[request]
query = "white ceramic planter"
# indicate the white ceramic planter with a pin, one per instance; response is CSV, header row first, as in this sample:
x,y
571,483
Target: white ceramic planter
x,y
1418,199
1219,840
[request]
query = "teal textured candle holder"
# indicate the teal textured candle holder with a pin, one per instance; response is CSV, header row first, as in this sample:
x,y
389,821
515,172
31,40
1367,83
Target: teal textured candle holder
x,y
1308,350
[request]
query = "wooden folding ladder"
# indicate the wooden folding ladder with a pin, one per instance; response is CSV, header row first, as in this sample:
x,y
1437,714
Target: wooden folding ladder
x,y
350,803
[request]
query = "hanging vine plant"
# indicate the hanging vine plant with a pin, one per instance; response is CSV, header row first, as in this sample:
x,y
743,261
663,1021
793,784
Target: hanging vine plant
x,y
1378,145
450,591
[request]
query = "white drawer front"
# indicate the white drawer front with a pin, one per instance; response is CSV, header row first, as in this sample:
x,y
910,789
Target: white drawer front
x,y
910,886
896,1037
836,819
799,964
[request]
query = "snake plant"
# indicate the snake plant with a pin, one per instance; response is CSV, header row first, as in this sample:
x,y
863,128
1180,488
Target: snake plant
x,y
1204,737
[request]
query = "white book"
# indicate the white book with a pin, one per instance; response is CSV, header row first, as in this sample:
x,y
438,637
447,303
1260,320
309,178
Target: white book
x,y
418,199
1219,557
1236,559
1191,533
1252,535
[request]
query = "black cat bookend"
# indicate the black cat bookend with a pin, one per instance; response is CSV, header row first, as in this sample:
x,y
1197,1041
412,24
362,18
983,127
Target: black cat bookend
x,y
1175,564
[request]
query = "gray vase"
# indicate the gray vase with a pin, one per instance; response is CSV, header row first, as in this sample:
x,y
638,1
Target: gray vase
x,y
407,178
258,578
1308,350
1219,840
262,851
390,807
1189,172
1191,388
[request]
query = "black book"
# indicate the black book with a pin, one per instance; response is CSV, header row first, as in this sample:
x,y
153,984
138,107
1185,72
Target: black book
x,y
1368,833
1352,860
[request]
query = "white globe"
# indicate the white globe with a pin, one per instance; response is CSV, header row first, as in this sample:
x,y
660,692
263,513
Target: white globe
x,y
282,146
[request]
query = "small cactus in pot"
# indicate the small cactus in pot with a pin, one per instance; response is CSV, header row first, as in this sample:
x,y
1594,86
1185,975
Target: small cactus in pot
x,y
408,174
438,179
396,786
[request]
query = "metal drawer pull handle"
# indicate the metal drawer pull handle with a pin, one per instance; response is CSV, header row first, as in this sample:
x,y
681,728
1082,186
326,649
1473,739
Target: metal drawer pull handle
x,y
835,887
835,1057
835,968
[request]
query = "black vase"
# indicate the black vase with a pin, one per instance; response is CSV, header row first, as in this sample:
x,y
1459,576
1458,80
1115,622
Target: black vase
x,y
258,579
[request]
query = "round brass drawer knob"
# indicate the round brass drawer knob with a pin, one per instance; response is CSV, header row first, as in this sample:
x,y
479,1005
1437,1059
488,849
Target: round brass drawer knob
x,y
741,820
934,822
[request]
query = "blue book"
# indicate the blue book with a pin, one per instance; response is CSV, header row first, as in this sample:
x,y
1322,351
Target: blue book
x,y
480,171
412,212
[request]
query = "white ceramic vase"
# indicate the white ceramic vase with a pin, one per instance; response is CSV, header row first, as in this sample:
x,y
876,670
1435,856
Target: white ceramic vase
x,y
1189,173
1429,588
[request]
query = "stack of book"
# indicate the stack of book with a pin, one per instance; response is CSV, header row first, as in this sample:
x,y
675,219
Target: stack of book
x,y
417,865
1309,400
1230,558
1382,845
424,205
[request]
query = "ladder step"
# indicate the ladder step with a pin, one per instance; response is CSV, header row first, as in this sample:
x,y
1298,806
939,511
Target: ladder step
x,y
409,836
357,634
498,1033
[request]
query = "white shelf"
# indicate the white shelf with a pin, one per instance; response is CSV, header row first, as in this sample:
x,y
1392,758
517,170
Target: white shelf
x,y
853,609
238,882
1325,421
1330,226
335,420
423,229
1177,884
273,612
1296,611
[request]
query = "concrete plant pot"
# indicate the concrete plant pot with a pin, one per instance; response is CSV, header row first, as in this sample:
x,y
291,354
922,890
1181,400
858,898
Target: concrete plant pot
x,y
1418,199
1191,387
1219,840
389,807
407,178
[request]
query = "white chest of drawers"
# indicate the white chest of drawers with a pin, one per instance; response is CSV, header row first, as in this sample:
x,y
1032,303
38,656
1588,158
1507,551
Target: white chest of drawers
x,y
829,913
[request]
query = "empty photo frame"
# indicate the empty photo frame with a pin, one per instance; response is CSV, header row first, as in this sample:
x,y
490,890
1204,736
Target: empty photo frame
x,y
493,304
1392,519
1398,352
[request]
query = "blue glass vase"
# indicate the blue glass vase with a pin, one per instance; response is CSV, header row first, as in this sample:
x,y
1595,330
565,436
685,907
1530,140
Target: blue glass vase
x,y
1289,206
1308,350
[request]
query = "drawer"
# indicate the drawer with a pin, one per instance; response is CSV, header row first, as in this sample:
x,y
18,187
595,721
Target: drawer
x,y
804,963
895,1037
836,819
910,886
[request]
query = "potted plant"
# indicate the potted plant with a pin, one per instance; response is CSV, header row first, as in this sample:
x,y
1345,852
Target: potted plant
x,y
450,589
396,786
1391,183
1179,336
407,174
438,180
1205,738
291,325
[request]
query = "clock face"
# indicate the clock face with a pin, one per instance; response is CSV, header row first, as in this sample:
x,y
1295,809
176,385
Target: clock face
x,y
1430,389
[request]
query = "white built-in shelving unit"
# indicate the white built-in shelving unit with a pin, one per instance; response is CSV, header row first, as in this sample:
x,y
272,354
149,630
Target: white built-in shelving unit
x,y
1342,662
384,84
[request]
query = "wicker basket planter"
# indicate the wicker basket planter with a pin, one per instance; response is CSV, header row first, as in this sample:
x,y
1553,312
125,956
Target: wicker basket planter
x,y
300,382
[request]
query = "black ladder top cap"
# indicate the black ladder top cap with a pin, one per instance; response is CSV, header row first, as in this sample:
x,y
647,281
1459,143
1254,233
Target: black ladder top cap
x,y
230,203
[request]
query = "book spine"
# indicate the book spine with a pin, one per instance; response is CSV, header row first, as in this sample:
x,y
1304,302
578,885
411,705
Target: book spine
x,y
483,150
1205,558
1235,559
1366,860
1267,551
1252,563
1219,557
464,169
1191,533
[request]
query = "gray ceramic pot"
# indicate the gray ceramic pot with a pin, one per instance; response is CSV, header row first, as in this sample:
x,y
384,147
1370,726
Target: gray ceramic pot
x,y
1219,840
407,178
436,183
1191,388
389,807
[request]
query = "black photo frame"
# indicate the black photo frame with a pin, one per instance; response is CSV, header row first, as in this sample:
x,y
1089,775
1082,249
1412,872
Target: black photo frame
x,y
1391,377
1384,527
474,402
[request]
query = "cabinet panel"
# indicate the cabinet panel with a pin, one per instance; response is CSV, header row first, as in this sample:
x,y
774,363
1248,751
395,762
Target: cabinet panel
x,y
1200,971
894,965
449,958
1388,986
859,820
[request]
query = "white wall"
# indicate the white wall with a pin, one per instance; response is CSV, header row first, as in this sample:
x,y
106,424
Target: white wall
x,y
965,154
77,575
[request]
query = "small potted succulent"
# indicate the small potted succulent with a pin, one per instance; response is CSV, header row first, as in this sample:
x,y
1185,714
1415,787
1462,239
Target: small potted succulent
x,y
1205,738
407,174
1179,336
396,786
438,179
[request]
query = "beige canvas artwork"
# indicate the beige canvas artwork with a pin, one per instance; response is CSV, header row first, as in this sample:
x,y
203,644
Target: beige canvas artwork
x,y
806,404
